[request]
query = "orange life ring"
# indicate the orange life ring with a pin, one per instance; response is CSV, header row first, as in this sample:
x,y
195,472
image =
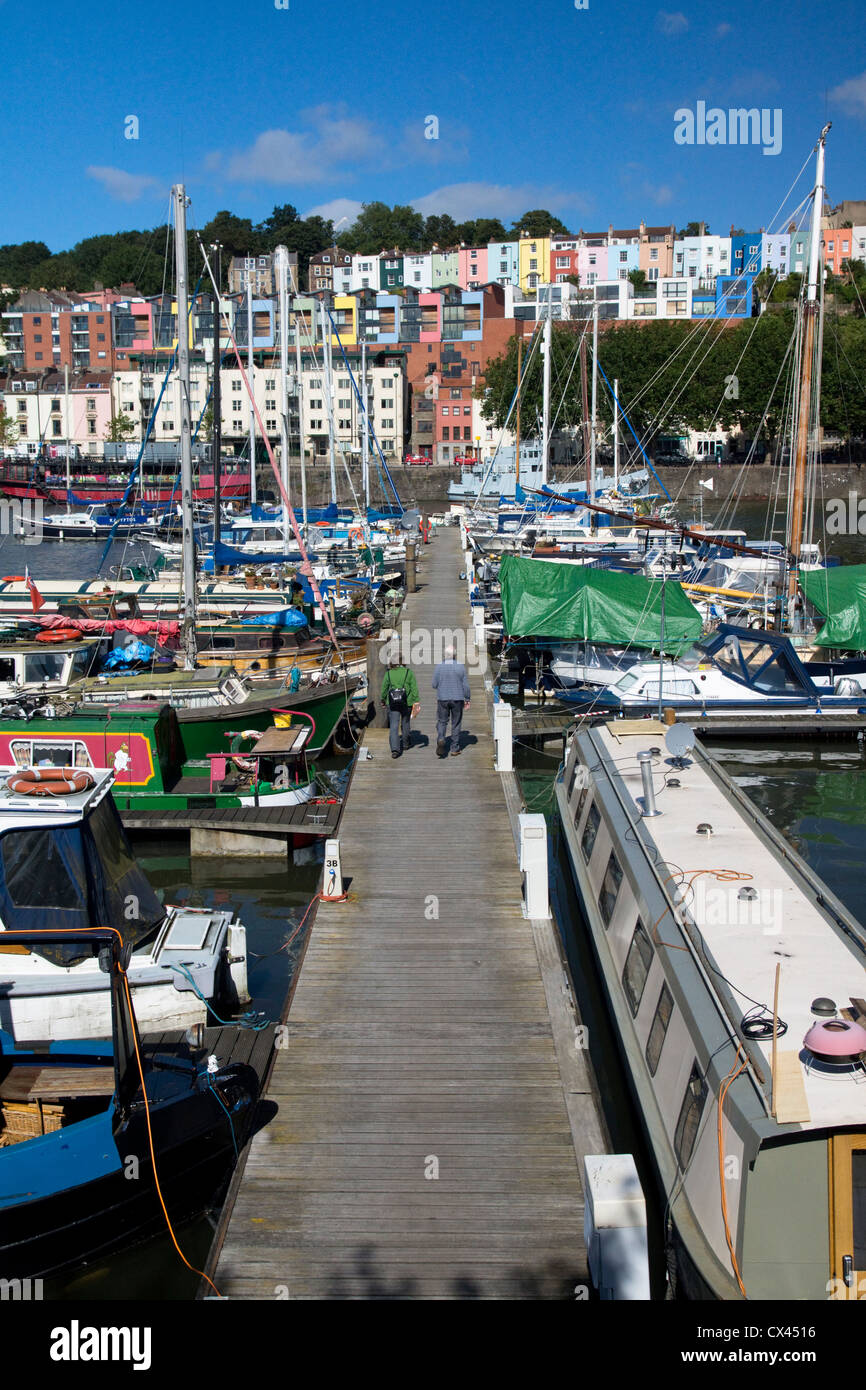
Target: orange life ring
x,y
12,579
355,533
50,781
59,634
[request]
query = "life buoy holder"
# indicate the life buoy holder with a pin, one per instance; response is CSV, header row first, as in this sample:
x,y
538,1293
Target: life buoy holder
x,y
355,533
50,781
12,579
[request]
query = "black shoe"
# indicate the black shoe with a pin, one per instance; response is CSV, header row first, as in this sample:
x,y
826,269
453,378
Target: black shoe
x,y
405,747
440,748
395,755
455,752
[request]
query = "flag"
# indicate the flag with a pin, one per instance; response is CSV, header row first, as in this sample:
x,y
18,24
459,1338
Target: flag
x,y
35,597
707,483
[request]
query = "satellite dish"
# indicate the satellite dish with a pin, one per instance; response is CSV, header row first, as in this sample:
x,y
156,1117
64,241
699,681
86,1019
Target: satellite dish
x,y
680,740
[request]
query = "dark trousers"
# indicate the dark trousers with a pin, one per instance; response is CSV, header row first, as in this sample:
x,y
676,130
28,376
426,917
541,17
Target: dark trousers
x,y
395,719
445,710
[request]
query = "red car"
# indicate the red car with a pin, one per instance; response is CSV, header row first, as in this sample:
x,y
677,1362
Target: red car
x,y
417,458
465,460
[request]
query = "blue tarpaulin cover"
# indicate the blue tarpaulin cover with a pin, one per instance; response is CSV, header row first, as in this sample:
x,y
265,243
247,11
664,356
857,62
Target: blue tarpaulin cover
x,y
282,617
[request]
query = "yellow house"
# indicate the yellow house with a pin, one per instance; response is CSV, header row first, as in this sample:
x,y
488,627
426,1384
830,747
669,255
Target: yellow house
x,y
345,313
533,266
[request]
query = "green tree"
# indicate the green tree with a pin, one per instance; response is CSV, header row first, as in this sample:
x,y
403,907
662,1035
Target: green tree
x,y
694,229
481,230
120,429
235,233
638,278
539,222
379,227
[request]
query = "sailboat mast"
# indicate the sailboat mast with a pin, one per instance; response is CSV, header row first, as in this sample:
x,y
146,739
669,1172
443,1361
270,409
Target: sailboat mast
x,y
616,435
188,535
216,397
251,373
810,315
301,441
594,397
365,425
519,369
281,256
329,400
584,405
545,406
66,413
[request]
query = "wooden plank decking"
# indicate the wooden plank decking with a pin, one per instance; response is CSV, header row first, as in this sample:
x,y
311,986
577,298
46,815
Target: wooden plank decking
x,y
419,1044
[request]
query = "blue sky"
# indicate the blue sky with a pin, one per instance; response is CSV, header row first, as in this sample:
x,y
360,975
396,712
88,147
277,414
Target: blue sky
x,y
539,104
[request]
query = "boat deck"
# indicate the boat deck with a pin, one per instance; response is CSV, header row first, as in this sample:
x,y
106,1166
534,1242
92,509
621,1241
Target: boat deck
x,y
309,818
422,1146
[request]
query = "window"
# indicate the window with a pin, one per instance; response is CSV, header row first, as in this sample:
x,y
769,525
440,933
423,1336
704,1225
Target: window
x,y
637,967
659,1028
55,428
91,427
387,424
446,432
270,383
654,255
270,425
100,337
467,432
623,255
270,403
37,337
168,424
445,410
36,319
610,889
590,830
44,666
91,402
467,410
690,1117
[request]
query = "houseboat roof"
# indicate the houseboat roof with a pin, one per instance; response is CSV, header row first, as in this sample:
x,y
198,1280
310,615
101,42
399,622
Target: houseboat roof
x,y
709,835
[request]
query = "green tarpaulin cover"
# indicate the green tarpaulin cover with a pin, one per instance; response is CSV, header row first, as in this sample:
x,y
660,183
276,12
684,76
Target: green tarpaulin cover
x,y
839,593
574,602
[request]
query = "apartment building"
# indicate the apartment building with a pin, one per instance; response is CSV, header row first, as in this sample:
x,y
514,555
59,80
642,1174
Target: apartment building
x,y
323,266
56,328
46,416
702,257
260,273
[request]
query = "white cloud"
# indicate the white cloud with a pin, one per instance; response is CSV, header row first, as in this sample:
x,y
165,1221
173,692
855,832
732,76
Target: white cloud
x,y
337,209
332,140
127,188
851,95
671,22
466,200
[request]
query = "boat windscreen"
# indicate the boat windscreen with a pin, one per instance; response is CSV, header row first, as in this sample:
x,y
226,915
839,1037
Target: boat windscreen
x,y
75,876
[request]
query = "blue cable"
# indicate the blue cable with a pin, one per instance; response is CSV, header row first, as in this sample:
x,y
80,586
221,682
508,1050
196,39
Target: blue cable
x,y
226,1109
245,1020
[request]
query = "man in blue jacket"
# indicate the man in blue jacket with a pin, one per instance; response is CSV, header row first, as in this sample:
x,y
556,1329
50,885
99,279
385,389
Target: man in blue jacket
x,y
452,696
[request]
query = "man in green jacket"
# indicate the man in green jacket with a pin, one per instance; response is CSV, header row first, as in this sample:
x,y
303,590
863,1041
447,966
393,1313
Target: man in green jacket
x,y
399,694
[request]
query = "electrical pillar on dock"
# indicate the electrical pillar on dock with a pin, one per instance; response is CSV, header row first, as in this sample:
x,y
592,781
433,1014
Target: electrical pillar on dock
x,y
533,863
503,716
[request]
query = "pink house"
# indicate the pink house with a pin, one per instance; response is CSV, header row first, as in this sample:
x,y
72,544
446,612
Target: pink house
x,y
431,317
472,267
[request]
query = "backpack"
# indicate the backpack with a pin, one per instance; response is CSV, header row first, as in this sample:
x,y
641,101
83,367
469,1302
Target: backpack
x,y
397,696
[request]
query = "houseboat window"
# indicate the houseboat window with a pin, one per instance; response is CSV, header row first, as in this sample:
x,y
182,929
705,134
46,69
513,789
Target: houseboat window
x,y
7,669
573,779
44,666
578,810
637,967
610,889
69,753
217,642
590,830
690,1117
658,1031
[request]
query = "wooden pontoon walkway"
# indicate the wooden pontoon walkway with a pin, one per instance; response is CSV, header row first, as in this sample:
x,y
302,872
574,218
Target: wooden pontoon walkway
x,y
422,1146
